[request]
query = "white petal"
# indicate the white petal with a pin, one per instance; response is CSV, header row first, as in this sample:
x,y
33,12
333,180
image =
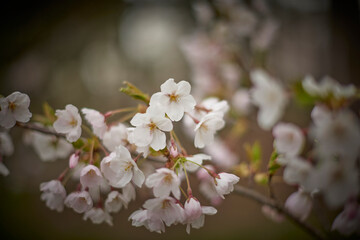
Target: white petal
x,y
159,140
138,178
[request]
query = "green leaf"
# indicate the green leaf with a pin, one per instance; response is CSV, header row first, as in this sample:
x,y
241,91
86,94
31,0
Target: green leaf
x,y
135,93
78,144
302,97
254,154
273,166
49,112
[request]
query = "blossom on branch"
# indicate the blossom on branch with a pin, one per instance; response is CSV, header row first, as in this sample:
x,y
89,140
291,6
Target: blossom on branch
x,y
68,122
14,108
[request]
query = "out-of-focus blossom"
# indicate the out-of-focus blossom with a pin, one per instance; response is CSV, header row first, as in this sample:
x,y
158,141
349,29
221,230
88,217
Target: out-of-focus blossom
x,y
129,193
6,145
73,160
299,204
14,108
241,101
115,136
174,98
98,216
97,121
265,35
272,213
4,170
297,171
197,158
269,96
50,148
119,168
53,194
348,221
115,201
68,122
221,154
289,139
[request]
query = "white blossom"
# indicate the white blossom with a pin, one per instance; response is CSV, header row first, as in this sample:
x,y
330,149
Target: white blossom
x,y
165,209
269,96
50,148
272,214
119,168
115,201
80,202
14,108
163,182
192,210
299,204
129,193
146,218
206,129
174,98
297,171
3,169
90,176
197,158
348,221
199,222
225,184
221,154
97,121
68,122
115,136
6,144
53,194
149,128
289,139
98,216
241,101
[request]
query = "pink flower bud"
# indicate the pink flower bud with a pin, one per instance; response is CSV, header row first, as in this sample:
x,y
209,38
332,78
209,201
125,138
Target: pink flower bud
x,y
299,204
73,161
192,209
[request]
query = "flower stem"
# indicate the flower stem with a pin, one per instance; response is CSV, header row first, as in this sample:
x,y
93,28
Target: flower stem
x,y
187,180
211,173
173,134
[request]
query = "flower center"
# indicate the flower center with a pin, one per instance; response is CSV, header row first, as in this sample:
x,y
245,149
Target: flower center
x,y
165,204
91,173
128,166
168,178
73,122
152,126
12,106
173,97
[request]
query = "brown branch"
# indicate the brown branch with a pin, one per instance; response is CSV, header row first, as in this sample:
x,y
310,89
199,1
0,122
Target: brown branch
x,y
259,198
39,129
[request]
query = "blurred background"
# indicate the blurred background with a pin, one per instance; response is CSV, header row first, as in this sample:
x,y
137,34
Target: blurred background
x,y
80,52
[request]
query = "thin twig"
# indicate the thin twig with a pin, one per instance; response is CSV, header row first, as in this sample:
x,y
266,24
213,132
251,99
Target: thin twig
x,y
248,193
39,129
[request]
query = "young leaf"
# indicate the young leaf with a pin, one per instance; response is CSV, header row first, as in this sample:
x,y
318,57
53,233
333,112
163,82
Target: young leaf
x,y
273,166
254,154
135,93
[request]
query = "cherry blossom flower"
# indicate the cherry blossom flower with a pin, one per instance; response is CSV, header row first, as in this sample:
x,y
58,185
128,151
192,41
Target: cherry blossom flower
x,y
174,98
163,182
50,148
269,96
129,193
207,186
73,160
80,202
297,171
97,121
199,222
214,105
152,222
165,209
348,221
221,155
68,122
98,216
119,168
326,87
115,136
149,127
4,170
206,128
299,204
53,194
241,101
197,158
225,184
192,210
6,145
90,176
14,108
289,139
337,135
143,150
115,201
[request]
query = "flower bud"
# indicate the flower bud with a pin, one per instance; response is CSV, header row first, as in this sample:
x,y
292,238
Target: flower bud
x,y
74,160
299,204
